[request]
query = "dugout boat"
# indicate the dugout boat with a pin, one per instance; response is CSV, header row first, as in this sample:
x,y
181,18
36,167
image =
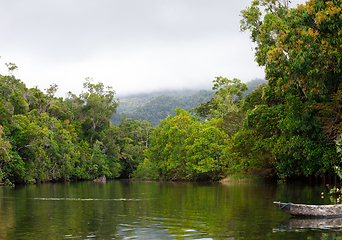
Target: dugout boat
x,y
312,211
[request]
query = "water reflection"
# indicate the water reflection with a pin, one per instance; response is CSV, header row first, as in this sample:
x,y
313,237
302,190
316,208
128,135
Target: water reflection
x,y
297,224
157,230
153,210
84,199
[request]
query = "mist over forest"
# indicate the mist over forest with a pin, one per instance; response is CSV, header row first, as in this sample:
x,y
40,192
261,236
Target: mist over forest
x,y
157,105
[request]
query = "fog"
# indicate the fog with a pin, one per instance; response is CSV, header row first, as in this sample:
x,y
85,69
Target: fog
x,y
134,46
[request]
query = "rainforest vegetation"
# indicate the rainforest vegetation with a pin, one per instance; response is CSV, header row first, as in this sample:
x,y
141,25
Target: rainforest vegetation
x,y
289,126
156,106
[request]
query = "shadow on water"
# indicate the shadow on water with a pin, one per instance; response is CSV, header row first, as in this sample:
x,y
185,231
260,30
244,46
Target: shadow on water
x,y
300,224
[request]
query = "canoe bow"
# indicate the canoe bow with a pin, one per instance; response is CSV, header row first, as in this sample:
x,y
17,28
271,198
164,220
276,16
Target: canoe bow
x,y
320,211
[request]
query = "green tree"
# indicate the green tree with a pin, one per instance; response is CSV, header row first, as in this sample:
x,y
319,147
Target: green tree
x,y
264,27
226,100
206,146
5,154
45,138
183,148
299,48
13,94
132,139
29,140
100,105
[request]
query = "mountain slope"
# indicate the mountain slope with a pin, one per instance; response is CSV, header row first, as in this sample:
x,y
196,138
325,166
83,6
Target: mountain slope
x,y
158,105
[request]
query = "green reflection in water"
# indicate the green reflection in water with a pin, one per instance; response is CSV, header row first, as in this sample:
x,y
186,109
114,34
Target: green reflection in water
x,y
155,210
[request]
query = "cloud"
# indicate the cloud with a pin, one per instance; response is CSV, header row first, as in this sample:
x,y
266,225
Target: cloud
x,y
134,46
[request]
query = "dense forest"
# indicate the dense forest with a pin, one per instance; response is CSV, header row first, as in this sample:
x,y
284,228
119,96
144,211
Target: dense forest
x,y
156,106
289,126
44,138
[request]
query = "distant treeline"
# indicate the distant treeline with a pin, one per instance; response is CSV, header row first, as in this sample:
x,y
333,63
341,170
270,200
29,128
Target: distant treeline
x,y
157,106
154,108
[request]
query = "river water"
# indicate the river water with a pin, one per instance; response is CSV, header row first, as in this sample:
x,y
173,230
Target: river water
x,y
160,210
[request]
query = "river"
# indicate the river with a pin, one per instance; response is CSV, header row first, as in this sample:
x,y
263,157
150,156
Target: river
x,y
159,210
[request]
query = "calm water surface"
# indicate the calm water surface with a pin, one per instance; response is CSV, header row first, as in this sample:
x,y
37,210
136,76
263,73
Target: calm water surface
x,y
159,210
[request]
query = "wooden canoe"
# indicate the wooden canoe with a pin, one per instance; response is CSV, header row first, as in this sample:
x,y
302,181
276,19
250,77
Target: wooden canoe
x,y
313,211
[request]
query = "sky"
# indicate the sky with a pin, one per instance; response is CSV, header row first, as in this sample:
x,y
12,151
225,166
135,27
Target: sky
x,y
134,46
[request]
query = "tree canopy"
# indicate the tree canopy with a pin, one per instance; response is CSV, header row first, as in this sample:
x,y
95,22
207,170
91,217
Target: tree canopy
x,y
300,49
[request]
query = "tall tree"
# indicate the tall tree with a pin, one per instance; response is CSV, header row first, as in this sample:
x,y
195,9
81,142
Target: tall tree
x,y
300,49
100,105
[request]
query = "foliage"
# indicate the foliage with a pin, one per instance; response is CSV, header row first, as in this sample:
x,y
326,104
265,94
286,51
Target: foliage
x,y
132,140
253,84
44,138
100,106
154,107
147,170
226,99
5,156
183,148
299,48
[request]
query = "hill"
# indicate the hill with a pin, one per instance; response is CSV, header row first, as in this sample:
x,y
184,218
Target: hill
x,y
155,106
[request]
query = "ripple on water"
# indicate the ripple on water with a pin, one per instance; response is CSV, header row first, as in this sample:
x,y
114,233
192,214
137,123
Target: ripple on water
x,y
86,199
162,228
